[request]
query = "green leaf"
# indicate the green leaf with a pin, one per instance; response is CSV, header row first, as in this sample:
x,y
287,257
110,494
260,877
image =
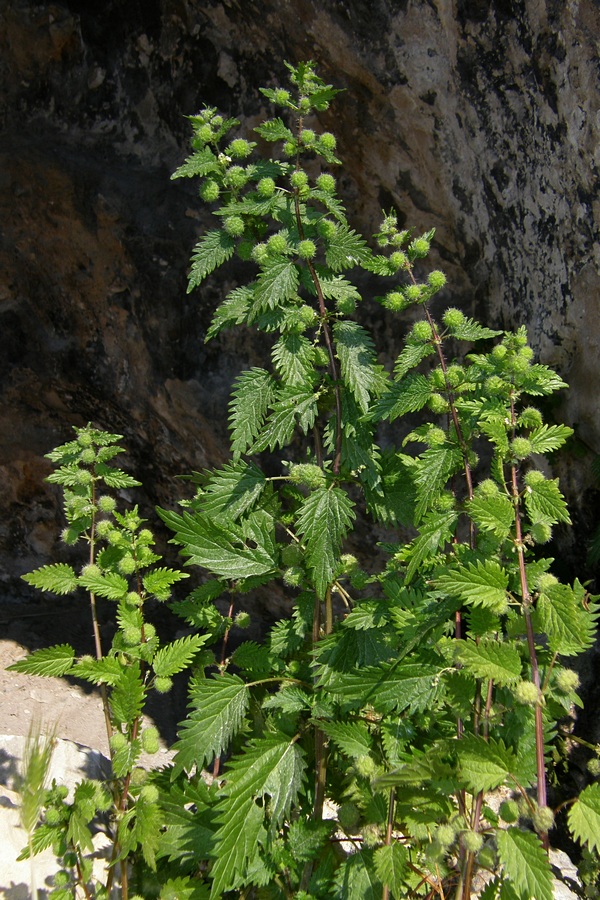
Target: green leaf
x,y
272,766
436,465
539,380
252,394
490,659
116,478
545,503
59,578
495,514
484,764
483,584
233,310
110,585
324,520
124,759
276,284
274,130
306,838
292,357
354,348
210,252
584,817
336,287
356,878
292,404
128,695
435,531
107,670
410,357
201,163
525,863
408,395
219,705
177,656
231,491
352,738
413,686
391,862
158,583
549,437
49,661
222,550
469,330
346,249
569,626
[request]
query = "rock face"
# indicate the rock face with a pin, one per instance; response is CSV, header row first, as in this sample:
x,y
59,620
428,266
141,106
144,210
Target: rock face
x,y
476,118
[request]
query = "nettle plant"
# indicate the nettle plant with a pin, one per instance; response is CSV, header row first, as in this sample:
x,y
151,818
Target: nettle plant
x,y
355,752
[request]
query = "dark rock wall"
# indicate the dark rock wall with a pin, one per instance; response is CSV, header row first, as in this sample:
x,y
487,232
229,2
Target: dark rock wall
x,y
478,118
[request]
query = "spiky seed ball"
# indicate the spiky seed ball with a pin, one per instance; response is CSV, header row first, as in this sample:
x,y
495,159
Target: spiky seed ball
x,y
210,191
260,254
307,314
83,476
495,386
436,437
365,766
395,301
282,97
150,742
293,576
326,183
531,418
327,229
150,793
289,148
399,260
307,474
521,447
107,504
453,317
132,635
527,693
348,816
204,134
53,817
126,564
414,293
567,680
445,835
346,305
298,179
420,247
133,599
234,226
236,178
328,141
488,489
84,439
308,137
499,352
239,148
304,104
436,280
216,121
534,477
87,455
278,244
117,741
163,684
104,528
266,187
593,766
242,620
422,331
307,249
438,404
543,819
472,841
541,533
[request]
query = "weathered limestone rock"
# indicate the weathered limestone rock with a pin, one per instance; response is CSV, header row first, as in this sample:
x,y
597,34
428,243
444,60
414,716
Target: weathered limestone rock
x,y
479,119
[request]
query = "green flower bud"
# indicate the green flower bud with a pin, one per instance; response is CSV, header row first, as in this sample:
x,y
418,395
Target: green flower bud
x,y
266,187
150,793
83,476
395,301
308,137
445,835
236,178
290,148
399,260
260,254
307,314
132,635
593,766
239,148
53,817
414,293
422,331
242,620
326,183
453,317
150,741
278,244
234,226
139,776
348,816
104,528
420,247
521,448
84,438
293,576
163,684
527,693
534,477
210,191
88,455
541,533
438,404
499,352
304,105
298,179
204,134
436,280
307,249
472,841
436,437
126,565
307,474
327,229
327,140
567,680
282,97
545,581
531,418
117,741
488,489
543,819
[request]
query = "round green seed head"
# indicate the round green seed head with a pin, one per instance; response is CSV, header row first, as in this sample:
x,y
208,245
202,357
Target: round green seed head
x,y
527,693
593,766
541,533
282,97
150,793
277,244
163,684
204,134
365,766
307,474
567,680
266,187
307,249
210,191
395,301
348,816
239,148
236,178
534,477
328,141
234,226
126,565
471,841
436,280
531,418
453,317
398,259
53,817
420,247
543,819
104,528
327,229
150,741
117,741
260,254
304,104
346,305
326,183
422,331
438,404
445,835
84,439
290,148
546,581
87,455
308,137
414,293
293,576
242,620
298,179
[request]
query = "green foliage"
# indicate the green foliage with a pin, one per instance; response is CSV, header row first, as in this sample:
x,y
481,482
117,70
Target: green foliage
x,y
351,750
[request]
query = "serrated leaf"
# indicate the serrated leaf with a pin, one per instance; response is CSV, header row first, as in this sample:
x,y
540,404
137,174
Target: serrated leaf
x,y
292,357
435,466
233,310
289,699
408,395
545,503
526,863
336,287
271,766
223,551
539,380
352,738
58,578
125,758
410,357
275,284
356,878
201,163
252,657
210,252
346,249
569,627
495,514
306,838
177,655
159,581
324,520
98,671
435,531
469,330
482,584
231,491
549,437
128,695
252,394
274,129
354,349
110,585
49,661
584,817
219,705
484,764
292,405
491,660
413,686
390,865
